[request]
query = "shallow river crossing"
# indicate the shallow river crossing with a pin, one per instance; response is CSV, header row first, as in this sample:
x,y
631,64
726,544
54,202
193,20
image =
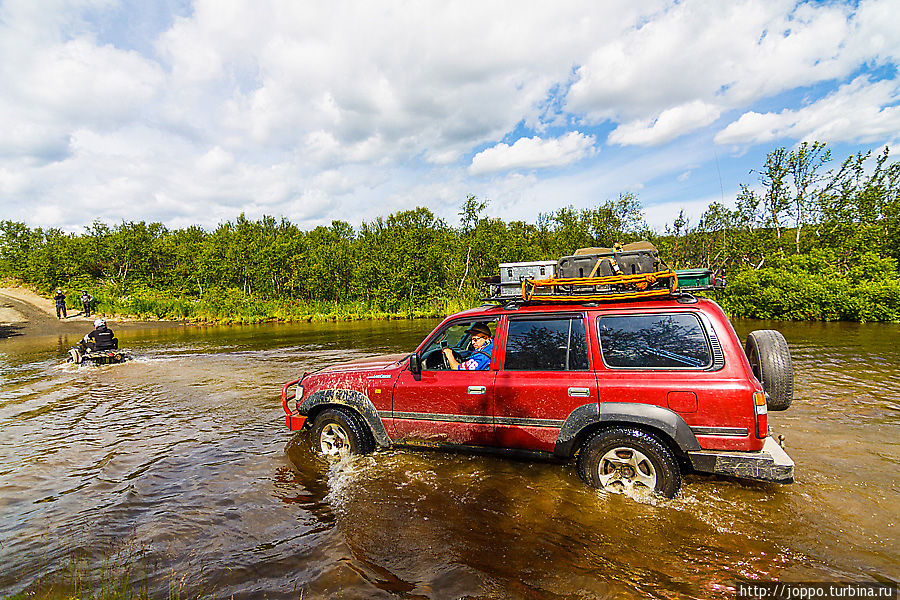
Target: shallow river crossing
x,y
177,468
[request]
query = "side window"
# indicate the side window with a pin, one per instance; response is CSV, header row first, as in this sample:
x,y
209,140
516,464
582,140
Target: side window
x,y
673,341
458,337
546,345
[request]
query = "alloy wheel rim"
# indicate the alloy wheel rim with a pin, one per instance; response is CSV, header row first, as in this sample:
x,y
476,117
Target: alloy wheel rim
x,y
334,441
629,468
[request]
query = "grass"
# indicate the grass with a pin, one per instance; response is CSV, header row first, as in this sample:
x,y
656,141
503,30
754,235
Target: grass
x,y
233,306
121,575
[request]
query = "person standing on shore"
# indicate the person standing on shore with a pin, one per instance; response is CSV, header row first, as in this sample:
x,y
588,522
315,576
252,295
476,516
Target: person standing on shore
x,y
86,300
60,304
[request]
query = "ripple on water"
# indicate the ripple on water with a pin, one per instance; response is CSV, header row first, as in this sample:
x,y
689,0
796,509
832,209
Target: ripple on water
x,y
183,453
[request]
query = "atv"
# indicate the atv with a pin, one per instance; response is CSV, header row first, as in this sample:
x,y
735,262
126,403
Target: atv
x,y
101,357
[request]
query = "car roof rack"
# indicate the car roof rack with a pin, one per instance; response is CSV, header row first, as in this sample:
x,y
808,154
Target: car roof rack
x,y
642,286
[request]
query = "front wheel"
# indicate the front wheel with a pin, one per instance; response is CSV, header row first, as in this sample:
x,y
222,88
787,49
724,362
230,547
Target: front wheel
x,y
337,434
75,356
623,459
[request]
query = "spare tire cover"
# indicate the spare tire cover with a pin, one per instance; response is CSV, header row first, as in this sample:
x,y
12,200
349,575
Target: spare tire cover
x,y
770,359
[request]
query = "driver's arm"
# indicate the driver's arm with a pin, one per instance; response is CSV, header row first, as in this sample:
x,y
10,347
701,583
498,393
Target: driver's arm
x,y
454,364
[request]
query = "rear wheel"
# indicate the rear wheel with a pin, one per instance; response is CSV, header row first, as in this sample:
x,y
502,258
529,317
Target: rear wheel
x,y
338,434
770,359
624,459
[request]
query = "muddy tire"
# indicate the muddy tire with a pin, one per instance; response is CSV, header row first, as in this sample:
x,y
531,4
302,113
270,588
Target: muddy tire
x,y
621,459
75,356
770,359
337,434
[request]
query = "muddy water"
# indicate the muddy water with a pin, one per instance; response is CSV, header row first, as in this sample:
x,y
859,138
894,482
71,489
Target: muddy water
x,y
178,465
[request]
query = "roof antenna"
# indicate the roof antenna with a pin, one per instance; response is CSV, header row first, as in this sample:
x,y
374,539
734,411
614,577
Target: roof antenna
x,y
721,187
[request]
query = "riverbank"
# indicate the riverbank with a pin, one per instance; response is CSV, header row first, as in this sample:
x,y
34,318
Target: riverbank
x,y
231,306
24,312
28,311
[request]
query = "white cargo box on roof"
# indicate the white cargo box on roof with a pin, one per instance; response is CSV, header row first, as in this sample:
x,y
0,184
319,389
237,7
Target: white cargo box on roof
x,y
512,275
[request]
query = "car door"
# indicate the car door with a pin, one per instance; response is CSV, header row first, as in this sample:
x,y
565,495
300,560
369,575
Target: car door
x,y
442,405
546,374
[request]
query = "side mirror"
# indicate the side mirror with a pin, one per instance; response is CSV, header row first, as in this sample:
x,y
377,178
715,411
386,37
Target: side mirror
x,y
415,364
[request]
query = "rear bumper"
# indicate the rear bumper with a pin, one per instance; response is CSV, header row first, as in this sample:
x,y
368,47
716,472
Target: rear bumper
x,y
769,464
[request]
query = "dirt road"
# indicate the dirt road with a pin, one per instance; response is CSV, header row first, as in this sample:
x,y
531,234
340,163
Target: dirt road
x,y
22,312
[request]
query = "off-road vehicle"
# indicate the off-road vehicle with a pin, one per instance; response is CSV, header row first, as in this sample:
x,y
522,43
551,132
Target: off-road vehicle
x,y
638,389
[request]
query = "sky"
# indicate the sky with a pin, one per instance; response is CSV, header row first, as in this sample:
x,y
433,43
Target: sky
x,y
192,112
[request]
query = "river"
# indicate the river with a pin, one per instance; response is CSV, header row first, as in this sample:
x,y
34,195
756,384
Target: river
x,y
177,468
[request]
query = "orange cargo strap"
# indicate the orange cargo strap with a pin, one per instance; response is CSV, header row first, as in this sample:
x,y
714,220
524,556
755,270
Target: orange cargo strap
x,y
638,284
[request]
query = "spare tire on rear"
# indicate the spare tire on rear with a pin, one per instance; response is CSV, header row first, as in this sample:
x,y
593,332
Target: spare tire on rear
x,y
770,359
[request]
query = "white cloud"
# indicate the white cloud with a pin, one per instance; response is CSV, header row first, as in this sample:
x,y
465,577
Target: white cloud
x,y
533,153
216,161
860,111
425,78
64,86
349,110
670,124
728,55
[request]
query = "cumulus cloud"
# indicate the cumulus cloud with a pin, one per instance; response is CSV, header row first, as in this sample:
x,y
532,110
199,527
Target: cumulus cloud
x,y
533,153
724,55
346,109
716,52
670,124
429,78
861,111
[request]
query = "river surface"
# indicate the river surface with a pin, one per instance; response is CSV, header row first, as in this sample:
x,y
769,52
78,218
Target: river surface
x,y
177,468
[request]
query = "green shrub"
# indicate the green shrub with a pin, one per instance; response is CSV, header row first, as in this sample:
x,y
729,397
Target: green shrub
x,y
793,294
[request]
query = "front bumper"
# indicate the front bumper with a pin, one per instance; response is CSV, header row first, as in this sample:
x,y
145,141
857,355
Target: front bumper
x,y
294,420
769,464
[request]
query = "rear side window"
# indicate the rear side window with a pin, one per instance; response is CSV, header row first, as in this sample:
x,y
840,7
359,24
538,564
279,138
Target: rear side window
x,y
671,341
556,344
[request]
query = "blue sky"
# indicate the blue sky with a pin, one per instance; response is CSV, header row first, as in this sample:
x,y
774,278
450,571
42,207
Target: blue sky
x,y
193,112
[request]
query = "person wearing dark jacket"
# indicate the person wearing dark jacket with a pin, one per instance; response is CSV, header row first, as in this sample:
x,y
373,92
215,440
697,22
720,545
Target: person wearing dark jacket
x,y
86,300
60,304
101,338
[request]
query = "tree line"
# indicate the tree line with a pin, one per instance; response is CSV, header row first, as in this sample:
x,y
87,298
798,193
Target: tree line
x,y
805,219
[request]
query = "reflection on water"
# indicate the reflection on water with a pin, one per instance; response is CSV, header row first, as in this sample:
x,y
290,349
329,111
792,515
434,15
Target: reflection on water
x,y
183,452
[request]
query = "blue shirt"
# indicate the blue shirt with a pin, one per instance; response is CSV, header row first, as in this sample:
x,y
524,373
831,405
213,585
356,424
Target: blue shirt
x,y
480,360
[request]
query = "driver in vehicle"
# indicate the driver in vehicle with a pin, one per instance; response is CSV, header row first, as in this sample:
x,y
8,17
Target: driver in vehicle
x,y
101,338
480,359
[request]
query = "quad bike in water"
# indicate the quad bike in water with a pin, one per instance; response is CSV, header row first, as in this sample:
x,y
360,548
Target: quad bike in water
x,y
79,355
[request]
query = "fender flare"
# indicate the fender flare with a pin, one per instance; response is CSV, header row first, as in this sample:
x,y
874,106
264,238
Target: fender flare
x,y
649,415
355,400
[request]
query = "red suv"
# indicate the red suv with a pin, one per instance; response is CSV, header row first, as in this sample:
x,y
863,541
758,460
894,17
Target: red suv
x,y
639,392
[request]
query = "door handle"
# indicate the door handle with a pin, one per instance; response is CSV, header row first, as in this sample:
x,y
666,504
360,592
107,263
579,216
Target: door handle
x,y
477,389
576,392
